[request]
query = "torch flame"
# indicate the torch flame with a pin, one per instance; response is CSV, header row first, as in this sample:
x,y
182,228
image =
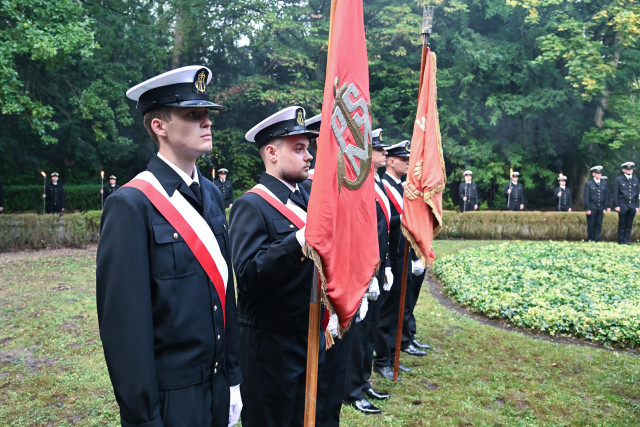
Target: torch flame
x,y
43,174
102,174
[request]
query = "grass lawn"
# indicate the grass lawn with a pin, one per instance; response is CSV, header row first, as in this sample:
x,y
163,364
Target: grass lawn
x,y
52,370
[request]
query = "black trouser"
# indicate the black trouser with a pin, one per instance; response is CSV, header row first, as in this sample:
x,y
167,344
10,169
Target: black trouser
x,y
594,225
625,221
331,383
414,284
204,404
385,341
563,209
360,358
274,365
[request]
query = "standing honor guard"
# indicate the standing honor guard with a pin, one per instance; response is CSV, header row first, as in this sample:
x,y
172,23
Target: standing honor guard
x,y
625,201
274,277
515,193
468,192
165,294
563,195
54,195
225,186
596,203
110,188
357,388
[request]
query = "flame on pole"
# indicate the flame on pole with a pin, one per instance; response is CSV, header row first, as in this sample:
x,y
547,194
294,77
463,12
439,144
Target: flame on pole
x,y
101,189
509,196
44,189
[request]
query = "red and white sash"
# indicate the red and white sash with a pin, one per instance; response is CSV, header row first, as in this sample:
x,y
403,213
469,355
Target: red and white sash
x,y
394,196
295,214
191,226
383,201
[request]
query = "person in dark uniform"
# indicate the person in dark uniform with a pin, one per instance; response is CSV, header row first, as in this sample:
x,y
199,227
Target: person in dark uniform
x,y
357,388
514,191
225,186
562,195
54,195
625,201
385,341
110,188
168,321
274,277
468,193
1,199
596,203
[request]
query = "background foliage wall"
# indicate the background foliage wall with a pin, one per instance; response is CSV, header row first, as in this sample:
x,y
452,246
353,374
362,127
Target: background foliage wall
x,y
542,86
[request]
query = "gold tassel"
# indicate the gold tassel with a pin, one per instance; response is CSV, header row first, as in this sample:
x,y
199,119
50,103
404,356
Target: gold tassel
x,y
328,339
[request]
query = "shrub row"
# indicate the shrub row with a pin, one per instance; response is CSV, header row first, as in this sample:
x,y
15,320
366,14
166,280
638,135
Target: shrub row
x,y
28,198
528,226
33,231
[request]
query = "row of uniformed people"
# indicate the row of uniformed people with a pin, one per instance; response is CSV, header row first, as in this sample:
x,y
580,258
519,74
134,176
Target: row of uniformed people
x,y
179,351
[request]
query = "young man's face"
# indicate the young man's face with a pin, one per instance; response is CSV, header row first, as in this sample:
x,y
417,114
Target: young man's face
x,y
188,133
293,159
379,157
467,178
514,179
223,176
54,179
597,175
112,181
563,183
627,171
400,165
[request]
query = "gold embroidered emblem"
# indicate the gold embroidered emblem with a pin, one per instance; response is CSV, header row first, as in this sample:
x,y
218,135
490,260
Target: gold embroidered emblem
x,y
201,82
343,109
300,118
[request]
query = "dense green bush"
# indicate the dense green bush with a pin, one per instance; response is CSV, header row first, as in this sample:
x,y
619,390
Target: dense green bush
x,y
531,225
589,290
28,198
33,231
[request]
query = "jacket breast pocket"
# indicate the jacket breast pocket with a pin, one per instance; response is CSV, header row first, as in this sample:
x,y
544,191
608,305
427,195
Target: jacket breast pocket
x,y
172,257
218,223
283,226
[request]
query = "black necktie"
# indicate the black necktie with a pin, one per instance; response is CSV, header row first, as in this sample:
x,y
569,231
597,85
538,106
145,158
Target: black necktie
x,y
296,197
195,188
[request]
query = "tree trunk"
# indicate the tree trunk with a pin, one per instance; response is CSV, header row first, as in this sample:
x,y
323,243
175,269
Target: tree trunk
x,y
178,42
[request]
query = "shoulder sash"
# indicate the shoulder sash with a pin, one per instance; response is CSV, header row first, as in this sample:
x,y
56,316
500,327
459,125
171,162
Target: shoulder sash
x,y
394,196
270,198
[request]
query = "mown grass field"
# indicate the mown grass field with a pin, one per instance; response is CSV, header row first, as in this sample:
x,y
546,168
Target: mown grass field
x,y
52,370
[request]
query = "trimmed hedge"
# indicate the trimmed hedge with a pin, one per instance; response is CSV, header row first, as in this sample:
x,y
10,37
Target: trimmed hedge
x,y
32,231
533,225
28,198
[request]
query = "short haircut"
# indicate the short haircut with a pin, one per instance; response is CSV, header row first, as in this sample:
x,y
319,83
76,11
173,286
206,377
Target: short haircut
x,y
163,113
275,141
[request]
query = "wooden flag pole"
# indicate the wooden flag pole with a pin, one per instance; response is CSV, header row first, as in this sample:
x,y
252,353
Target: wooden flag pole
x,y
403,292
313,349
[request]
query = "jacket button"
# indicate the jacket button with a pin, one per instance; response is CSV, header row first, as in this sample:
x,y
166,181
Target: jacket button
x,y
175,236
215,308
215,371
216,364
225,226
218,337
302,259
290,225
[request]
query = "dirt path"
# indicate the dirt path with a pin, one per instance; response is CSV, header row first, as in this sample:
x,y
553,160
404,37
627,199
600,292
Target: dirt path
x,y
33,253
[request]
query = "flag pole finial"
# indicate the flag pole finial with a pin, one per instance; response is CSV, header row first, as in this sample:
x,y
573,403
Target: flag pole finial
x,y
427,23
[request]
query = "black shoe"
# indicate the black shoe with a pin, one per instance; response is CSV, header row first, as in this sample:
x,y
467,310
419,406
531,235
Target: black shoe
x,y
366,407
386,372
372,394
418,344
414,351
404,368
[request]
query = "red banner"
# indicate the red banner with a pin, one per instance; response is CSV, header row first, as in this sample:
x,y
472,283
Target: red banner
x,y
422,218
341,231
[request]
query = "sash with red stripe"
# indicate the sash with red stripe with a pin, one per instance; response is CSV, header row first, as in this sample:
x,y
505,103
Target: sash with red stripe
x,y
380,199
394,196
279,206
205,253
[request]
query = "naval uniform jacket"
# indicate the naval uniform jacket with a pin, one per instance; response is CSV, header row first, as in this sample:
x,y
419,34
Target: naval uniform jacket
x,y
517,196
596,196
54,202
470,191
274,277
160,317
383,232
625,192
109,190
226,188
396,238
566,201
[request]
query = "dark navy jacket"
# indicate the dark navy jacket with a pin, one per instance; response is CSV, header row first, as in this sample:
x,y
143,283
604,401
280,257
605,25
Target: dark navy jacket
x,y
625,192
160,316
596,196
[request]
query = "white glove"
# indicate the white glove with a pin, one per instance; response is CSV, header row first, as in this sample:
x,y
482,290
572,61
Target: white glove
x,y
362,311
374,290
388,279
235,405
417,267
333,325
